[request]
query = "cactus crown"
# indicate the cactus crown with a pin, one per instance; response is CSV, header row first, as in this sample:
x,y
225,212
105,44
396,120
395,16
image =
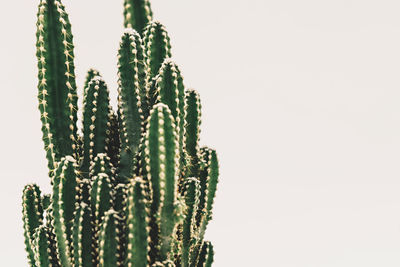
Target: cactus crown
x,y
135,189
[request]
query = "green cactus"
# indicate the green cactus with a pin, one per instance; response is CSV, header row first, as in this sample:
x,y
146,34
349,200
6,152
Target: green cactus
x,y
134,189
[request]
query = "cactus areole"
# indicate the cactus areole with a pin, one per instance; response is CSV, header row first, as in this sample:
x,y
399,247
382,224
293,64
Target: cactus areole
x,y
135,188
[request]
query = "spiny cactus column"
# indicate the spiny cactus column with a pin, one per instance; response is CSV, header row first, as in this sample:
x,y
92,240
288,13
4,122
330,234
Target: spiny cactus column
x,y
134,188
57,89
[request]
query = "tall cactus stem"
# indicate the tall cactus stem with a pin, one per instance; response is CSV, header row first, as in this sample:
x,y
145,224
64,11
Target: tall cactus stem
x,y
131,87
96,120
192,132
137,225
65,194
57,90
157,47
83,236
109,240
191,195
32,215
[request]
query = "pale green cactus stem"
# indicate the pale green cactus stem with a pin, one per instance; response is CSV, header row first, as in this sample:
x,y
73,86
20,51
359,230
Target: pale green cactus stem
x,y
57,89
65,194
131,86
83,237
137,13
137,225
96,121
44,246
109,241
192,132
157,47
161,161
171,91
32,215
191,195
206,256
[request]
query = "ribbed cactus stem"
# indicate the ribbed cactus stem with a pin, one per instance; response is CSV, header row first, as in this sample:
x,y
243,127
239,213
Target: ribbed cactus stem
x,y
32,215
137,225
206,256
57,89
192,132
96,120
131,89
191,195
65,192
170,88
45,254
161,161
137,13
83,237
101,164
114,144
109,240
157,47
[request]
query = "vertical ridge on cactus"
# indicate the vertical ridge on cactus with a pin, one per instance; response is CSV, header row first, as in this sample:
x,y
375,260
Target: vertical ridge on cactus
x,y
134,188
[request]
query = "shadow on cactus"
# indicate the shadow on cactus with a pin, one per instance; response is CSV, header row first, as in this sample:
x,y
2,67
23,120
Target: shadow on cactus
x,y
135,189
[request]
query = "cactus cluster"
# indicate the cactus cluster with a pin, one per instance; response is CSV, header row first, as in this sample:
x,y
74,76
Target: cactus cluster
x,y
133,188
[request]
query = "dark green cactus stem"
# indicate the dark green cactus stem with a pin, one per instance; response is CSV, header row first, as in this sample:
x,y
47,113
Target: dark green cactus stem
x,y
131,87
157,47
45,253
191,195
161,161
171,92
46,201
32,217
109,240
166,263
209,181
57,89
137,13
84,191
206,256
137,224
89,76
114,144
96,120
65,192
192,132
101,196
83,236
101,164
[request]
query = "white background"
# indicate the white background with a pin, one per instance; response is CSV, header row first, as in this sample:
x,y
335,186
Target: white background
x,y
300,98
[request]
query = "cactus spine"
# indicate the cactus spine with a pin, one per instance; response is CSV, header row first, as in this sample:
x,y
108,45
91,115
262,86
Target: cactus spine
x,y
134,189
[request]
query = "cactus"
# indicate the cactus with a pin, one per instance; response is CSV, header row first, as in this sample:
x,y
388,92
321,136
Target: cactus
x,y
134,188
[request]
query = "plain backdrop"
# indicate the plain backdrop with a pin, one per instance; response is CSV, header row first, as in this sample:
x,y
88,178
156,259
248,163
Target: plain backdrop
x,y
301,99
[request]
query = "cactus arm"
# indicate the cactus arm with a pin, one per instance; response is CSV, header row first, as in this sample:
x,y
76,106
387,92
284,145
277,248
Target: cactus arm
x,y
89,76
204,177
191,195
137,13
32,215
114,144
57,90
171,92
137,225
95,121
42,247
65,189
157,47
83,236
84,191
109,240
192,132
161,164
131,86
206,256
101,197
